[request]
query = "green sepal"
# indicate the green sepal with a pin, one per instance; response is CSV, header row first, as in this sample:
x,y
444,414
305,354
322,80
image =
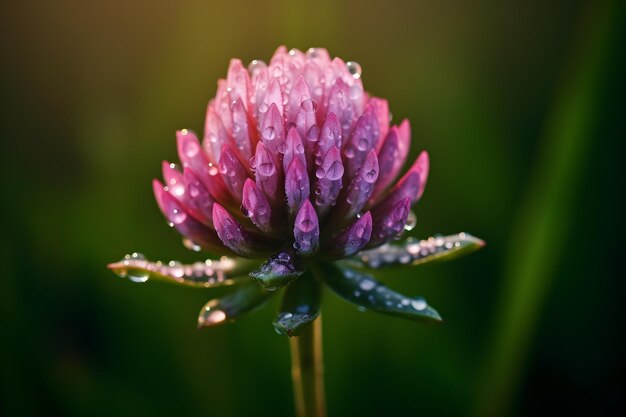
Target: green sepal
x,y
437,248
300,305
208,274
363,290
278,271
246,298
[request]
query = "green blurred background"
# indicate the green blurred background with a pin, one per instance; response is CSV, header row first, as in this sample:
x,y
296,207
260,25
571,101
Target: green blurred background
x,y
521,107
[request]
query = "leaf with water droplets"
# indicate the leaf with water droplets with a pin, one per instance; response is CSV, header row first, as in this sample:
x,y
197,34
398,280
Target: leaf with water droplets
x,y
363,290
439,248
278,271
246,298
300,305
208,274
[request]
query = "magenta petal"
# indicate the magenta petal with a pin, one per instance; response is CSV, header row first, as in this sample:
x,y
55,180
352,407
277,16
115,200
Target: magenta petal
x,y
363,139
233,172
174,181
256,207
242,130
411,185
296,185
390,222
267,176
272,130
353,238
197,198
192,156
294,148
391,157
306,231
179,218
232,234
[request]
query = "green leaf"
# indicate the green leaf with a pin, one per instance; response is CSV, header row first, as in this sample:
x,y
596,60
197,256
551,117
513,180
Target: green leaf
x,y
278,271
363,290
246,298
438,248
300,305
208,274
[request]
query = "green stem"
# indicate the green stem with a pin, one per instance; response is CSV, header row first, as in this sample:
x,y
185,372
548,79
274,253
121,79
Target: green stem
x,y
307,371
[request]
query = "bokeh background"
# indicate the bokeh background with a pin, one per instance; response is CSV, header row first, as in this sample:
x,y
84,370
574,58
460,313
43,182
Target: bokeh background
x,y
521,107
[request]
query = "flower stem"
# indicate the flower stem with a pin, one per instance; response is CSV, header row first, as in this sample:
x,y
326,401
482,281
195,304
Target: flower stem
x,y
307,371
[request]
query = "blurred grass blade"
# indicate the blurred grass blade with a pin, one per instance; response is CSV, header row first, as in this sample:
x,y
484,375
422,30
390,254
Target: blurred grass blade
x,y
363,290
208,274
300,305
278,271
545,219
245,299
438,248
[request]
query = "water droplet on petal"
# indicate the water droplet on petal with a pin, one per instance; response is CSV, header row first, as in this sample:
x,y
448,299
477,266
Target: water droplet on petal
x,y
255,66
411,221
355,69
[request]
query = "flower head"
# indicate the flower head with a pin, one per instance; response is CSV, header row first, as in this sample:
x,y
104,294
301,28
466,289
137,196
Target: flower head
x,y
297,165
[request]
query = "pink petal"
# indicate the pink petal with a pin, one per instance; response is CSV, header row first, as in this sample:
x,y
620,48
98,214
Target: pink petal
x,y
411,185
362,140
233,172
192,156
238,81
273,130
299,93
197,198
214,134
391,156
381,109
390,222
233,235
293,149
173,180
329,181
268,178
242,130
179,218
296,185
353,238
340,104
256,207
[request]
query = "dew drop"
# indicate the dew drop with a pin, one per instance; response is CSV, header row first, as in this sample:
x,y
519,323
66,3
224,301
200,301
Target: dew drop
x,y
214,317
367,284
189,244
419,304
411,221
312,53
354,68
255,66
269,133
